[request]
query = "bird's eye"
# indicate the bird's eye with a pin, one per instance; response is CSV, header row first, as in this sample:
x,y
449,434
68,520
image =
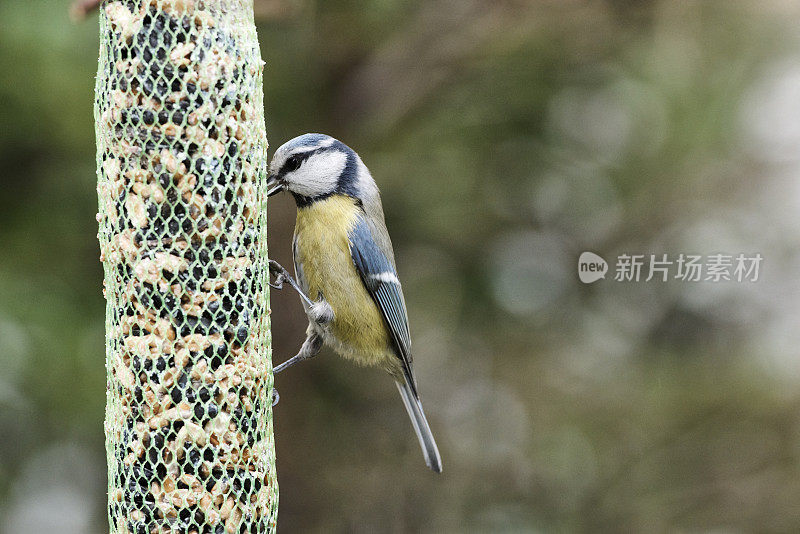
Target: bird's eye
x,y
292,164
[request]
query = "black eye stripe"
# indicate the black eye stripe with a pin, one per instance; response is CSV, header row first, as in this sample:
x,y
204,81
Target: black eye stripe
x,y
292,164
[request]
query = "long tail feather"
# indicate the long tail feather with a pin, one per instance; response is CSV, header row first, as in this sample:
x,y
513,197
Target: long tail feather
x,y
426,441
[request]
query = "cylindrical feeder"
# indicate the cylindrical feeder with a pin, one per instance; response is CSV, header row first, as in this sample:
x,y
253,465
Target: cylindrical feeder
x,y
181,158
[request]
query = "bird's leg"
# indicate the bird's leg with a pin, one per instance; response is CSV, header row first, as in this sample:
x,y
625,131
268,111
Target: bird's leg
x,y
281,276
311,347
320,312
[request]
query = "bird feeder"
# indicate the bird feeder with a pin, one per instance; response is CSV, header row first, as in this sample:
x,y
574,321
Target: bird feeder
x,y
181,160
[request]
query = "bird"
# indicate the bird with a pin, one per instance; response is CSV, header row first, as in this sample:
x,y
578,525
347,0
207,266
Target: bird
x,y
345,269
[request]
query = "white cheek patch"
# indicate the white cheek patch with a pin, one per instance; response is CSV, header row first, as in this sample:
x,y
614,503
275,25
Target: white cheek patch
x,y
318,175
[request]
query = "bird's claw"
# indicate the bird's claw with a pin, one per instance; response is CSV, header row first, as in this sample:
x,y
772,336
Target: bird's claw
x,y
278,282
281,276
276,398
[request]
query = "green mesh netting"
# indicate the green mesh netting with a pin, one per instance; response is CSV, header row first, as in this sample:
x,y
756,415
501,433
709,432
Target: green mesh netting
x,y
181,155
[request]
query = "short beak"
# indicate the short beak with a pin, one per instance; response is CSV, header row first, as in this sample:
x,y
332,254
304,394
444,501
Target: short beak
x,y
274,186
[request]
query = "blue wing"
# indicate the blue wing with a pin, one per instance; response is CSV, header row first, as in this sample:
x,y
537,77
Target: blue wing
x,y
380,279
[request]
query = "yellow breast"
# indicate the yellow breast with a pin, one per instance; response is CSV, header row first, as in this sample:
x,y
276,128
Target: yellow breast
x,y
323,252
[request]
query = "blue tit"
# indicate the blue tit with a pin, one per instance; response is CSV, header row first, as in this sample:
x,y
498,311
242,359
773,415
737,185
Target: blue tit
x,y
344,265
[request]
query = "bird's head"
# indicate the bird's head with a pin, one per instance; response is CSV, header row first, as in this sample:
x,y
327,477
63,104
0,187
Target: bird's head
x,y
312,167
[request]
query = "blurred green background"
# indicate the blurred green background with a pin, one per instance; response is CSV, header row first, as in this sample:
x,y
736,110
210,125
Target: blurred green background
x,y
507,137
